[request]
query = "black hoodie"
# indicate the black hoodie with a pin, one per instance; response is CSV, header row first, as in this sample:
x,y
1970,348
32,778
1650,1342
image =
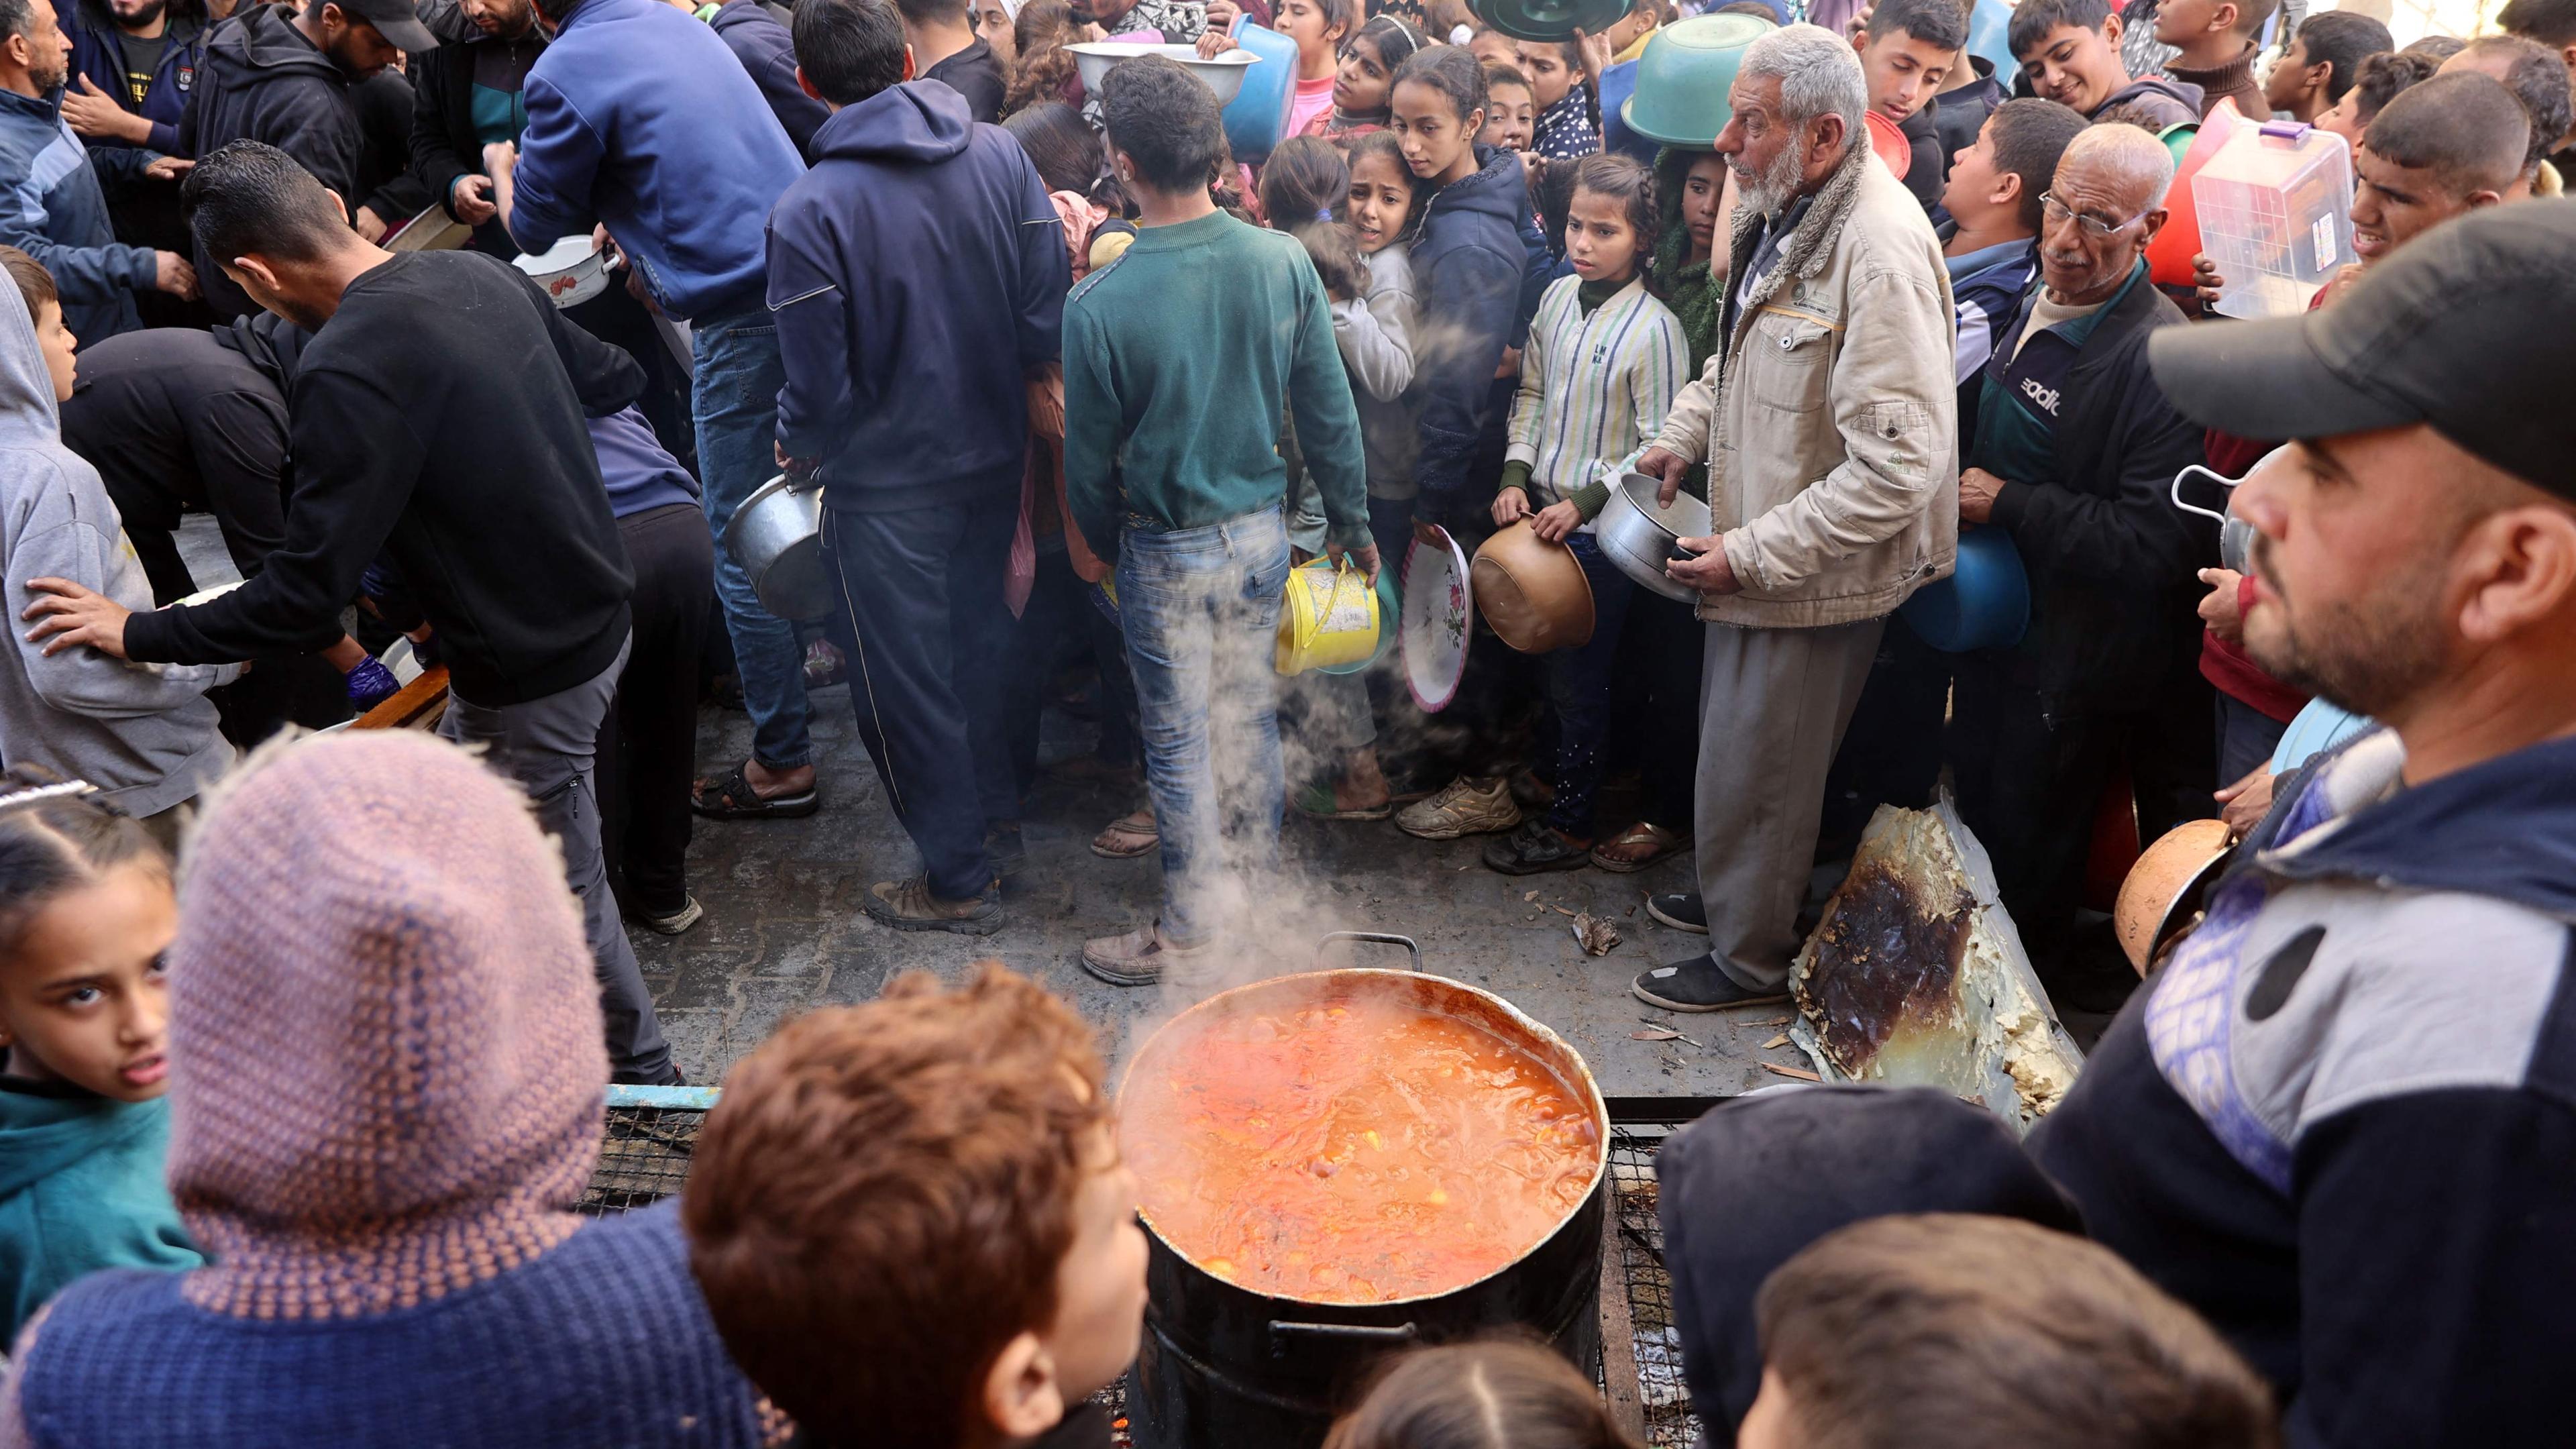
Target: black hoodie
x,y
263,81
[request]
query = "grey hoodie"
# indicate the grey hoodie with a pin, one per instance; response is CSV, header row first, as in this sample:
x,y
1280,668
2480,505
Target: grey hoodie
x,y
143,733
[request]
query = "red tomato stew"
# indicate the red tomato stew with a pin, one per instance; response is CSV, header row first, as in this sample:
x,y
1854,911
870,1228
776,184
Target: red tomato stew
x,y
1340,1150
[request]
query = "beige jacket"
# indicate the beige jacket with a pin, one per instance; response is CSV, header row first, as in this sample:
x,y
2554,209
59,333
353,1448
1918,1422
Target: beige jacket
x,y
1829,420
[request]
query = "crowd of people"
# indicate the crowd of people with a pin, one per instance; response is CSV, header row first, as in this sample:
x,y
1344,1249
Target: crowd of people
x,y
306,1037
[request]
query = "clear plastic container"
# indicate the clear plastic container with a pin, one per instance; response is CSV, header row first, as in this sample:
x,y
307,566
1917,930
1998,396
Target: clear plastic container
x,y
2275,209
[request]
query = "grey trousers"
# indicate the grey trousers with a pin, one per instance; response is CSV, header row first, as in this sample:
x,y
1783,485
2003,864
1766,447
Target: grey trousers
x,y
1773,707
547,744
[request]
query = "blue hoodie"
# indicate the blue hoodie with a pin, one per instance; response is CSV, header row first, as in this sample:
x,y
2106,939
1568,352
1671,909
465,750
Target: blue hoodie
x,y
918,245
1468,266
768,54
52,209
640,118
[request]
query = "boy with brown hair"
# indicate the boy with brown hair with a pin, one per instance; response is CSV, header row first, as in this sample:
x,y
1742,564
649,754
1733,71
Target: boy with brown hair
x,y
911,1222
1956,1329
2216,38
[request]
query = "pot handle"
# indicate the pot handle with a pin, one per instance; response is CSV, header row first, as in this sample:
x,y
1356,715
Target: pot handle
x,y
1283,1330
1412,948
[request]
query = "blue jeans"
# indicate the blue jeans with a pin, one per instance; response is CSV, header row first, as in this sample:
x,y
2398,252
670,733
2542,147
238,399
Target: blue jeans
x,y
1578,685
1200,609
734,401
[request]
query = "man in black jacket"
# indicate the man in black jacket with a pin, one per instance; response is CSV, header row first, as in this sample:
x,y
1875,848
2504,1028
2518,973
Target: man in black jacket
x,y
283,79
436,418
2073,454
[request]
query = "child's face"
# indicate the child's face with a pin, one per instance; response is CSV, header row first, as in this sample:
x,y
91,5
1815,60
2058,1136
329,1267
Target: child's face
x,y
2077,67
1100,1285
1702,188
1381,201
1510,117
1772,1421
1543,61
2180,22
1968,194
84,1000
1435,139
1598,239
1903,73
1492,47
57,342
1303,21
1364,82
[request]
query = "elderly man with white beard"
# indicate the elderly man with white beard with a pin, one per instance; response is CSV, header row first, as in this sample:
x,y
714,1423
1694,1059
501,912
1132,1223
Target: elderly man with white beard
x,y
1828,420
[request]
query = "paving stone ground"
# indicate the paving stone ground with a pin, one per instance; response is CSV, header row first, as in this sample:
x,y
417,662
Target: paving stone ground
x,y
784,930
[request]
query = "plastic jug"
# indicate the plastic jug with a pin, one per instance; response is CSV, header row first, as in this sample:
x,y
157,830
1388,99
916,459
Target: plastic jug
x,y
2275,213
1258,114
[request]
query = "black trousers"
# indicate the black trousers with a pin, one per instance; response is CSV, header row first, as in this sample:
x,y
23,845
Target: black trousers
x,y
929,637
2030,772
648,743
1665,646
1060,625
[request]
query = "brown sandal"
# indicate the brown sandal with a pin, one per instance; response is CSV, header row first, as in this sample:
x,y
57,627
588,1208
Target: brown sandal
x,y
1118,840
1619,853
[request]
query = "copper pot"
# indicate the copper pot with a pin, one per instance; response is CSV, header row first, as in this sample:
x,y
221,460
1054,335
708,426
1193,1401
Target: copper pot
x,y
2163,890
1533,592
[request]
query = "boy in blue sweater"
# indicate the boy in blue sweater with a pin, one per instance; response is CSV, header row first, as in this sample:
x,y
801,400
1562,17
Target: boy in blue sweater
x,y
898,267
1178,360
640,120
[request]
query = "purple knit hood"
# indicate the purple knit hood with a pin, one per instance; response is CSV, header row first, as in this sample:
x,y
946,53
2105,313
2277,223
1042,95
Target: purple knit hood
x,y
385,1038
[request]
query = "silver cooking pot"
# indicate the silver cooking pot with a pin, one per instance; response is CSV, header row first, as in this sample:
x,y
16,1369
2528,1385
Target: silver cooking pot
x,y
1639,537
777,537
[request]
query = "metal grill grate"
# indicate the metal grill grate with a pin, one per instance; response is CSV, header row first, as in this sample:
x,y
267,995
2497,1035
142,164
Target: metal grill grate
x,y
1640,1259
645,1150
651,1133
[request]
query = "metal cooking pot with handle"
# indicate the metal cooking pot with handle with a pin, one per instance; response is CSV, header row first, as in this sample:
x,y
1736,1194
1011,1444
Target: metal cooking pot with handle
x,y
1639,536
777,537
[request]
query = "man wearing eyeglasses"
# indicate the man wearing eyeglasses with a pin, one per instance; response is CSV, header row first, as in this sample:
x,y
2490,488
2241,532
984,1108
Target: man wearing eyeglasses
x,y
2072,452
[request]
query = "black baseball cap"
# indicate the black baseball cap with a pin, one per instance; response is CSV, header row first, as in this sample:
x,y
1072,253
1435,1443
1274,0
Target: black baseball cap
x,y
2470,327
395,20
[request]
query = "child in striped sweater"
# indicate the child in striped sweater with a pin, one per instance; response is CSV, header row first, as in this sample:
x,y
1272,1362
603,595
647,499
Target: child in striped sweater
x,y
1603,361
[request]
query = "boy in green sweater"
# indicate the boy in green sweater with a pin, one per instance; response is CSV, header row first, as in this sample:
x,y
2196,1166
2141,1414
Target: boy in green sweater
x,y
1179,359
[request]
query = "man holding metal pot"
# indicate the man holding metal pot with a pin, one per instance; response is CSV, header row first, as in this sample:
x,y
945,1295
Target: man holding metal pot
x,y
1827,420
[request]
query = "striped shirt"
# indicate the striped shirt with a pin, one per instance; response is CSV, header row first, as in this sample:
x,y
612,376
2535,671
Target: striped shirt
x,y
1593,389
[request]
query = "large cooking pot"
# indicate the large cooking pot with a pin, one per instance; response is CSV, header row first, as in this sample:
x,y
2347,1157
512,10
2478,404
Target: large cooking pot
x,y
1639,536
777,537
1224,1365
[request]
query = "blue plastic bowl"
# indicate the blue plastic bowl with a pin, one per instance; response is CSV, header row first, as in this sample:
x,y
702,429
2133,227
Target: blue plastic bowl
x,y
1259,111
1983,604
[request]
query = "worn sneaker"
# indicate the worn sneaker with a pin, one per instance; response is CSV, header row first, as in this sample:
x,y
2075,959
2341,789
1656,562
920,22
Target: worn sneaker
x,y
1467,807
908,905
1681,910
674,922
1534,847
1139,958
1697,985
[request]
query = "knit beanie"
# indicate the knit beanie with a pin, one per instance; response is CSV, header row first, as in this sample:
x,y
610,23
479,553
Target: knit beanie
x,y
385,1042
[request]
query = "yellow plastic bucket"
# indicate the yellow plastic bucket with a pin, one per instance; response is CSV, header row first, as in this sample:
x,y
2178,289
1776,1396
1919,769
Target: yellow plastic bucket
x,y
1329,616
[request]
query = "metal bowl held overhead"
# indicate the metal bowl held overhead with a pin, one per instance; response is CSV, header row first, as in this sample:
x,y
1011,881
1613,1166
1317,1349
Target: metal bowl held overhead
x,y
1639,536
777,537
1226,1363
1222,74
